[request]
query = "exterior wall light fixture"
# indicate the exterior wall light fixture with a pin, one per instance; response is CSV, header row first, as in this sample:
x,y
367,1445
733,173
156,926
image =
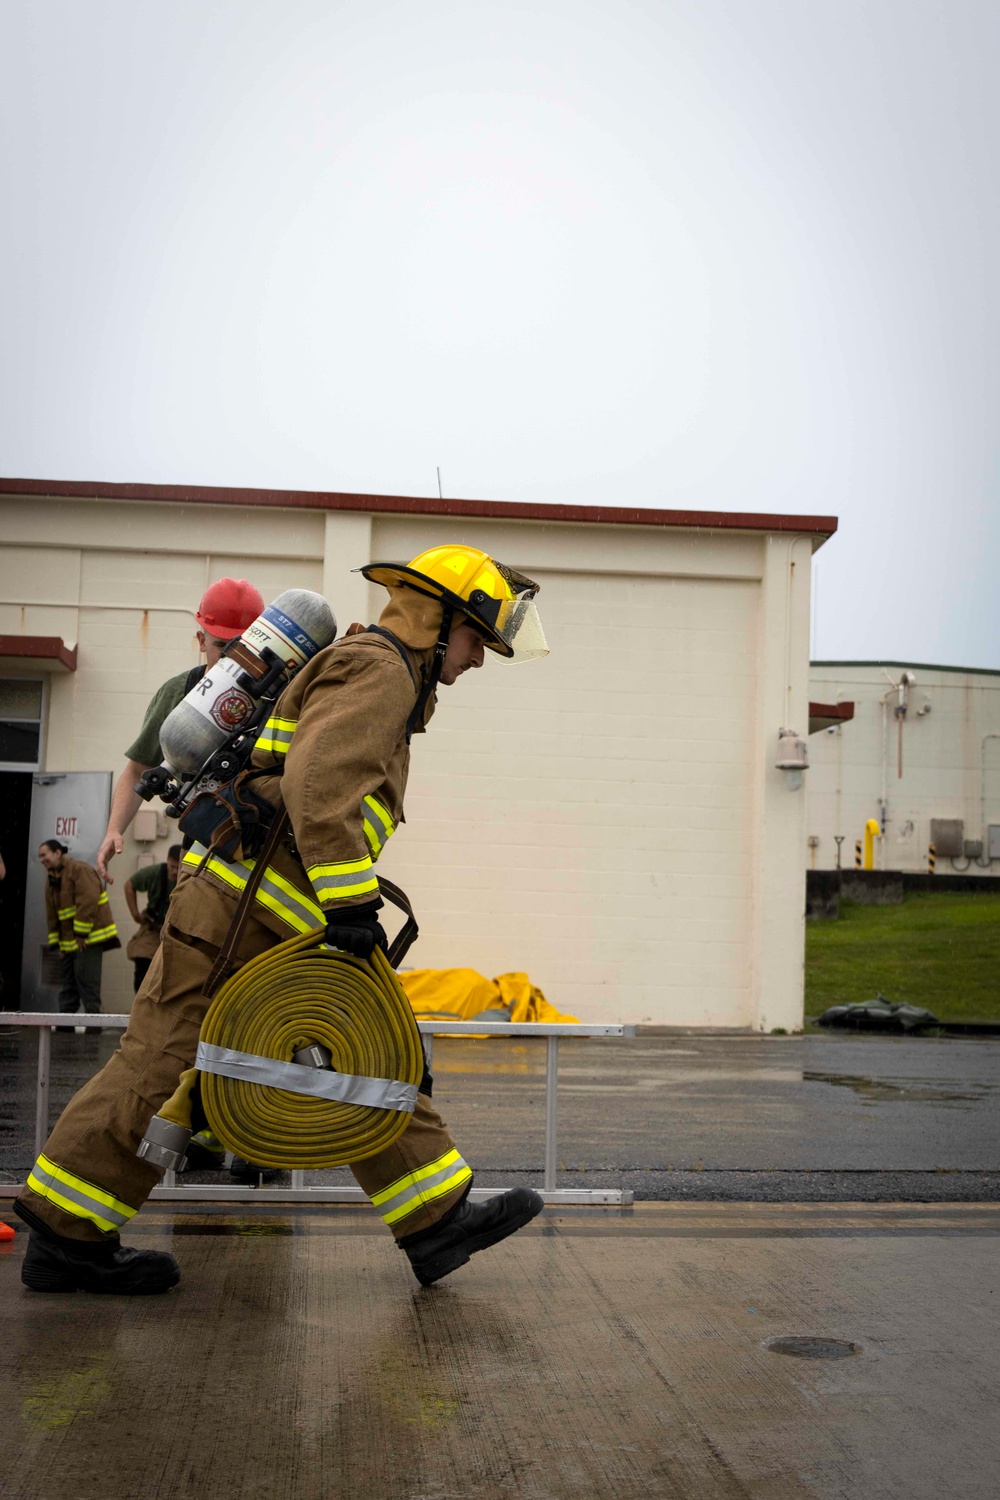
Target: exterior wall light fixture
x,y
793,757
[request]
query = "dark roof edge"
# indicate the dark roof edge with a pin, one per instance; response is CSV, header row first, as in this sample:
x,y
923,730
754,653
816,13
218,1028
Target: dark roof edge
x,y
608,515
922,666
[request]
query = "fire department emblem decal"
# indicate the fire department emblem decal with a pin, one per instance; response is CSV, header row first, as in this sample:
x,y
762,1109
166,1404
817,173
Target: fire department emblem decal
x,y
231,709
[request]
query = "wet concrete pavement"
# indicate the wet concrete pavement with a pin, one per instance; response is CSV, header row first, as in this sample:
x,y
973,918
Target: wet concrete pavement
x,y
785,1119
607,1353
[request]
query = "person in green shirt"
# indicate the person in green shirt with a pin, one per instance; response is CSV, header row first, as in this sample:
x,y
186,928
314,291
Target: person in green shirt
x,y
227,607
156,882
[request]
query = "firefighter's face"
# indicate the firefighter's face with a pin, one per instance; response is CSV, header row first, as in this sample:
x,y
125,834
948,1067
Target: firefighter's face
x,y
465,650
50,859
211,647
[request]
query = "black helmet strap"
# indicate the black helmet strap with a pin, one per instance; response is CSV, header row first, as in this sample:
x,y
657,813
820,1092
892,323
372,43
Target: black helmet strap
x,y
434,675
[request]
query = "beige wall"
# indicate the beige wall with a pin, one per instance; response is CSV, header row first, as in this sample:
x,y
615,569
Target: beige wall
x,y
948,763
608,819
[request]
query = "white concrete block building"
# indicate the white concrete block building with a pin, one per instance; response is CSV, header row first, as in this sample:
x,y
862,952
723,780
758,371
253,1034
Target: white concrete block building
x,y
609,819
920,755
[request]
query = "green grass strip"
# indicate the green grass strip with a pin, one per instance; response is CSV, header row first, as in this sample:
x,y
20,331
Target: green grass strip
x,y
938,951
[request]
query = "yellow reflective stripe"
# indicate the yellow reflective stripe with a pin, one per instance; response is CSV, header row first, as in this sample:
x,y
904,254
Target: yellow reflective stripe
x,y
196,854
75,1195
346,867
408,1193
293,906
83,927
378,824
68,946
100,934
102,899
352,877
53,937
65,912
276,735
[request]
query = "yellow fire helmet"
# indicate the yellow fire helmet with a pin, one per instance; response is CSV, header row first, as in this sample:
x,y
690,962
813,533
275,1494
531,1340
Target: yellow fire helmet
x,y
498,600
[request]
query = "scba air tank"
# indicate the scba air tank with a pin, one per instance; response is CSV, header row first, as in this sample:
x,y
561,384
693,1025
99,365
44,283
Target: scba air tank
x,y
268,653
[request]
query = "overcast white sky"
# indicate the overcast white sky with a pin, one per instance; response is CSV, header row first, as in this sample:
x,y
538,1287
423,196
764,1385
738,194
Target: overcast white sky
x,y
721,254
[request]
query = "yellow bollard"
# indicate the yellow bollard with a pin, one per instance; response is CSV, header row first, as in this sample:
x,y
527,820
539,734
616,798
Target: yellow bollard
x,y
857,854
872,831
931,852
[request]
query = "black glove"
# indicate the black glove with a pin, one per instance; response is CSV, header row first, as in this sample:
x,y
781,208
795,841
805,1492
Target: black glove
x,y
357,930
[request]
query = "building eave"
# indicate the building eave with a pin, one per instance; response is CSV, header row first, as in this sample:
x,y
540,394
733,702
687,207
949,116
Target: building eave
x,y
411,505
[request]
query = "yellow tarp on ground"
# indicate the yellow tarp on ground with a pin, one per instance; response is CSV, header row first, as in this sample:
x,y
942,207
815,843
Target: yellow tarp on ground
x,y
464,995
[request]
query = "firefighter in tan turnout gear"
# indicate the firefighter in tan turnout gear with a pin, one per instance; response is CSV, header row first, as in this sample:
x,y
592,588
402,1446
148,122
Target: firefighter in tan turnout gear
x,y
80,925
339,737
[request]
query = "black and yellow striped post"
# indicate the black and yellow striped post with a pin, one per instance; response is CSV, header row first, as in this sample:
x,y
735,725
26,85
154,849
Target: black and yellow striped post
x,y
931,851
857,854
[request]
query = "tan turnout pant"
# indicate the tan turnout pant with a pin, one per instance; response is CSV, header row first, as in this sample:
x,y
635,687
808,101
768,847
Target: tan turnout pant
x,y
88,1181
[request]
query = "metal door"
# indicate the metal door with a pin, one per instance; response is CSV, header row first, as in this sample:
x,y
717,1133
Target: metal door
x,y
71,806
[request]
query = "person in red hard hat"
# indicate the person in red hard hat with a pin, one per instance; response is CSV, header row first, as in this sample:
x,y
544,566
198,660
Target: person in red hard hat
x,y
227,607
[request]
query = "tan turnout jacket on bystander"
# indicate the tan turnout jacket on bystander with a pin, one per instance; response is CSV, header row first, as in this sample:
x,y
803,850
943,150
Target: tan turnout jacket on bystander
x,y
76,905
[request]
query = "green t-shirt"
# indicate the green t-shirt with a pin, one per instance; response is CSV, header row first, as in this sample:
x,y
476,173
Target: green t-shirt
x,y
154,880
145,748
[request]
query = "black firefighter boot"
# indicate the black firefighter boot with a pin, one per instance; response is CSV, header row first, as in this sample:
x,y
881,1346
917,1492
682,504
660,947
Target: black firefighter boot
x,y
466,1228
53,1263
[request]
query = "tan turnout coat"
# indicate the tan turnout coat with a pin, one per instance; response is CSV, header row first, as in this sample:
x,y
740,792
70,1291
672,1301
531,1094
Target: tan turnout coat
x,y
77,909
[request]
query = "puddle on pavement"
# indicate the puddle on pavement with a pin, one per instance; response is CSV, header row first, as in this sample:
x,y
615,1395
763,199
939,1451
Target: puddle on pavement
x,y
910,1091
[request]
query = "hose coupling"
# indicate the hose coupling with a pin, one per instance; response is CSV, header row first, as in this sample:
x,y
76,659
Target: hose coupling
x,y
164,1144
313,1056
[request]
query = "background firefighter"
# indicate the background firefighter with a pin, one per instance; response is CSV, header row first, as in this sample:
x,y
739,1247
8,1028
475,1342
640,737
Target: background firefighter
x,y
80,925
156,883
337,747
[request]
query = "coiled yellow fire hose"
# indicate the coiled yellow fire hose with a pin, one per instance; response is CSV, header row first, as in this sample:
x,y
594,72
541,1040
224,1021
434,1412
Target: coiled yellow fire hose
x,y
297,996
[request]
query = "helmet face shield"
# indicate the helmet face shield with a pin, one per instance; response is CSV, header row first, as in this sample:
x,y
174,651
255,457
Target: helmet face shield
x,y
519,627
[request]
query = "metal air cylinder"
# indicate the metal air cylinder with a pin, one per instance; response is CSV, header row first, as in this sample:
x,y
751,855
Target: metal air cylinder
x,y
294,627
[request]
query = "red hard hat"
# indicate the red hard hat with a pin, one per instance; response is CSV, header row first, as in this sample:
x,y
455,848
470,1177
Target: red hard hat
x,y
228,606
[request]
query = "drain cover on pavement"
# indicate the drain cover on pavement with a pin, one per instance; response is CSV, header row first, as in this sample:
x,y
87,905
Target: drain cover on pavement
x,y
803,1347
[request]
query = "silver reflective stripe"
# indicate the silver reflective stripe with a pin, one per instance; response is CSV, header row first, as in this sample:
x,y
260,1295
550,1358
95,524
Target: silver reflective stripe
x,y
378,824
421,1189
352,877
308,913
95,1206
293,906
345,1088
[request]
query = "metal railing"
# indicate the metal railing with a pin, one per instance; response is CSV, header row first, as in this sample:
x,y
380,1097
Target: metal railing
x,y
298,1192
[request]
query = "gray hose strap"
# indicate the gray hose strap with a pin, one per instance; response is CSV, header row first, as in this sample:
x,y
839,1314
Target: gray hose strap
x,y
320,1083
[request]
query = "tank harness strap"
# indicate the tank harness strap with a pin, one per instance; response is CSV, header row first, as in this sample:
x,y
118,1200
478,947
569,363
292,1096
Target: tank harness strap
x,y
426,687
244,906
395,641
409,932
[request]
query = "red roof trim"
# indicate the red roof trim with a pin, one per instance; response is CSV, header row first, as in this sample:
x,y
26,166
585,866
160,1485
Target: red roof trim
x,y
607,515
827,715
39,648
842,711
